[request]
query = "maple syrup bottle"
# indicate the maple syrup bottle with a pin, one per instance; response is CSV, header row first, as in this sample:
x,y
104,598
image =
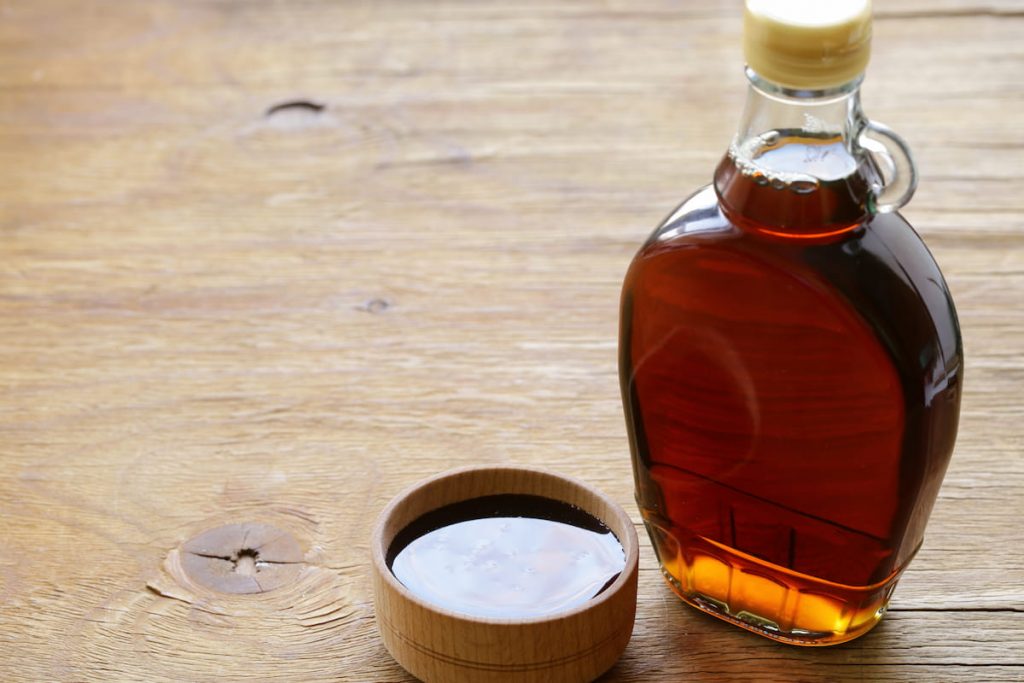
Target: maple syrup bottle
x,y
790,357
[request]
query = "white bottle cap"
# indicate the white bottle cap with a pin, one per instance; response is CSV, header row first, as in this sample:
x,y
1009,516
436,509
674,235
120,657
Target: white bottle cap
x,y
807,44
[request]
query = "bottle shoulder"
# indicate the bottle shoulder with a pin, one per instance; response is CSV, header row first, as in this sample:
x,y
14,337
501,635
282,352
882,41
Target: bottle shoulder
x,y
888,241
699,217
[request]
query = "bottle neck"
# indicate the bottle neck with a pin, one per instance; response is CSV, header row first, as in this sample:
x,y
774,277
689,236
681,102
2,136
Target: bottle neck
x,y
795,167
834,113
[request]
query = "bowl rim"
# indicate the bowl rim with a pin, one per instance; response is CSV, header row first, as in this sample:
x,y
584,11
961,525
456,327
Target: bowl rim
x,y
630,546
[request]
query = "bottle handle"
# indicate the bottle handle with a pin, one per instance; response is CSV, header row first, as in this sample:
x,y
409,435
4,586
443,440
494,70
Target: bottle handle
x,y
895,172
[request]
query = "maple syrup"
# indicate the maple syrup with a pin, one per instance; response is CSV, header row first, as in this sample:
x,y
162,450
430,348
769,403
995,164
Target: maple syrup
x,y
791,370
507,556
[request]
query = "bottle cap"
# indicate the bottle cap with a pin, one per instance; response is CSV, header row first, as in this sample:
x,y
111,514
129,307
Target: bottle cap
x,y
807,44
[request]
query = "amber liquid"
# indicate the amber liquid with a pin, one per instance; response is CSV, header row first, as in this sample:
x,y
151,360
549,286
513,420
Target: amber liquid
x,y
791,369
510,556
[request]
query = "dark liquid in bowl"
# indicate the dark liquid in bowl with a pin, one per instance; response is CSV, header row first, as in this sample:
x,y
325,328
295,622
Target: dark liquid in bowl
x,y
507,556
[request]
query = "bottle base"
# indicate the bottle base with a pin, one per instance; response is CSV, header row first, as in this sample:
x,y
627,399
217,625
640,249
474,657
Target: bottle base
x,y
767,599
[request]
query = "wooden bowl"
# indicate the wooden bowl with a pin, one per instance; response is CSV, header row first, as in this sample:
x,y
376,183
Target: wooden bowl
x,y
440,646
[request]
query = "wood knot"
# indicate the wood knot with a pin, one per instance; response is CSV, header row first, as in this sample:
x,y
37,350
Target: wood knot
x,y
375,306
243,558
296,114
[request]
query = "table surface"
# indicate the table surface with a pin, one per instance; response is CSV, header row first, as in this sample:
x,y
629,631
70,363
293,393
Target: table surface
x,y
270,262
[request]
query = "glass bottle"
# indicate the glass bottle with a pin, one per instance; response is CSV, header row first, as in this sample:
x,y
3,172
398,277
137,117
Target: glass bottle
x,y
790,357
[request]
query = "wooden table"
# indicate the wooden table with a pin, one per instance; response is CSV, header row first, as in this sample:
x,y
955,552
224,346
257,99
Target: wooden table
x,y
268,262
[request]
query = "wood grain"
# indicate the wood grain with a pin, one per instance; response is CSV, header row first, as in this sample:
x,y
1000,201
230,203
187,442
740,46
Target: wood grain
x,y
215,309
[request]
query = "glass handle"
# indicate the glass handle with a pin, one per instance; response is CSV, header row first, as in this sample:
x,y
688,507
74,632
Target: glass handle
x,y
893,164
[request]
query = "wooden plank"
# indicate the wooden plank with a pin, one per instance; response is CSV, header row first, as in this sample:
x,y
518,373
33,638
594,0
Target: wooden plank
x,y
215,311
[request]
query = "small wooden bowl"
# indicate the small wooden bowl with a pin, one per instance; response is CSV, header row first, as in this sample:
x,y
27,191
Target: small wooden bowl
x,y
440,646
